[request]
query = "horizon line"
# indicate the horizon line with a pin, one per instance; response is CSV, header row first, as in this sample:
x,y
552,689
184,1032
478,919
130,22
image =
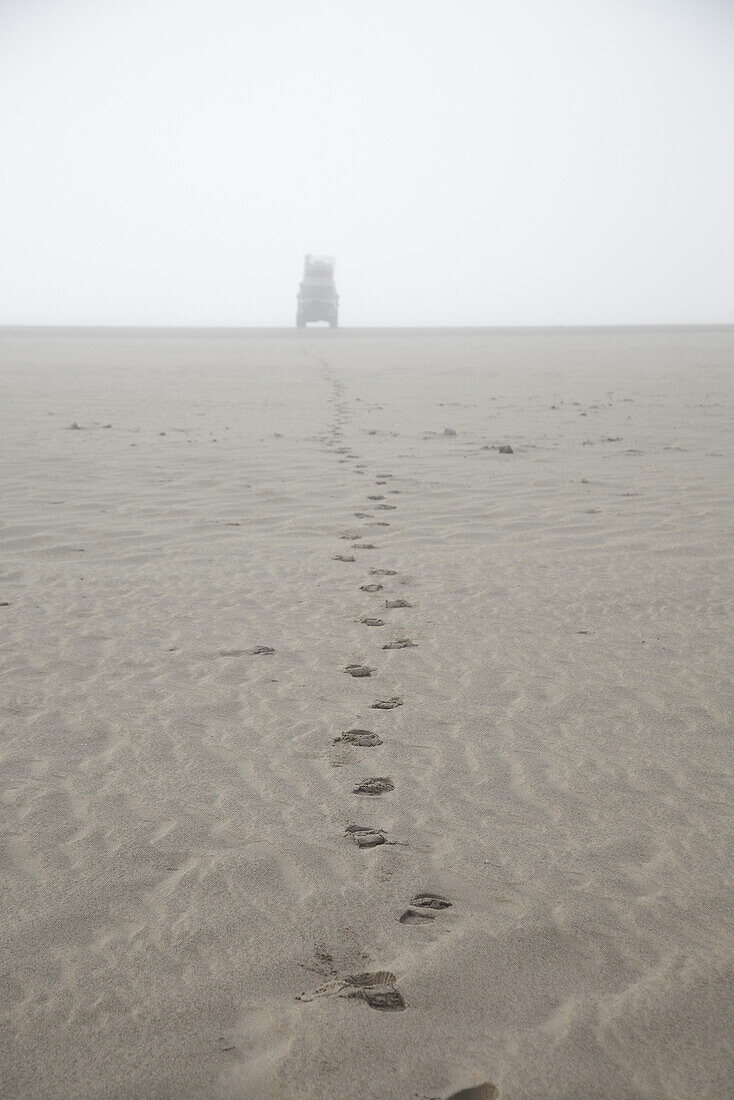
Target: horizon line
x,y
565,326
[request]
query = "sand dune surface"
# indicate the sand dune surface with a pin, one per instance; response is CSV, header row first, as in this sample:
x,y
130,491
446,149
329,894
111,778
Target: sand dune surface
x,y
498,857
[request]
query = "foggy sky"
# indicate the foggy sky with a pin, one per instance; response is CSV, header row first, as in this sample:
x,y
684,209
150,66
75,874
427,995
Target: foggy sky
x,y
537,162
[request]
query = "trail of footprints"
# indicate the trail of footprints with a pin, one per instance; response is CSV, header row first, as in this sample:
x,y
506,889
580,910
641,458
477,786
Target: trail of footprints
x,y
378,989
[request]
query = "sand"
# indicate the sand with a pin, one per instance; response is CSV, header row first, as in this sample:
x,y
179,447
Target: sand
x,y
537,894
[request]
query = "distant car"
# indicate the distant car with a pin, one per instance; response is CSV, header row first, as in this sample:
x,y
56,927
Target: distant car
x,y
317,296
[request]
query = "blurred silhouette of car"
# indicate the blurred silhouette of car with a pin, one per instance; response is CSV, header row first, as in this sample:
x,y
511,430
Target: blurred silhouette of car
x,y
317,296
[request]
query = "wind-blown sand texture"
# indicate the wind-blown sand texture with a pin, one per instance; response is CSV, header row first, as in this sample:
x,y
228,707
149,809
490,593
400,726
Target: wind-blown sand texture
x,y
532,889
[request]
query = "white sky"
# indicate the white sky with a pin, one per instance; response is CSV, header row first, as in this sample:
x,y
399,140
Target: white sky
x,y
482,162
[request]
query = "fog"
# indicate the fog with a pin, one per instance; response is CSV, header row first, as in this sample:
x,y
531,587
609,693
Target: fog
x,y
169,162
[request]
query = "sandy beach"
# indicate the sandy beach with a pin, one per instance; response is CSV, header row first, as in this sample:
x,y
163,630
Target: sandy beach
x,y
221,553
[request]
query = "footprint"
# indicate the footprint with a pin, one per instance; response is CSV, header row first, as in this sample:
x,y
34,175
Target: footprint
x,y
369,621
387,704
364,546
366,837
375,496
383,572
351,535
363,515
400,643
378,523
485,1091
379,784
397,603
366,738
256,651
376,988
386,507
370,587
431,901
413,916
344,557
359,670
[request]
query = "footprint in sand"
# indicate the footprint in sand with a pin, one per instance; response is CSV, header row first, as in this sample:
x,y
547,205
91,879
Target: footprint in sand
x,y
351,535
386,507
377,988
343,557
414,916
383,572
375,496
359,670
387,704
431,901
364,836
485,1091
370,588
364,546
256,651
369,621
363,515
397,603
376,785
400,643
366,738
421,908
